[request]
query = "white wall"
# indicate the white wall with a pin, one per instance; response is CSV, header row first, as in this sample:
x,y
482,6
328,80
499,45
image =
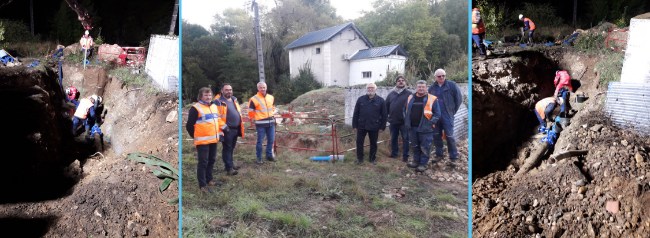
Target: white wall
x,y
162,62
378,66
636,68
329,64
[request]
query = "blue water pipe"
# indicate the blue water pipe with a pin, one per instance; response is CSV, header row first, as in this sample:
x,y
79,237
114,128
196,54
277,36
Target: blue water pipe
x,y
326,158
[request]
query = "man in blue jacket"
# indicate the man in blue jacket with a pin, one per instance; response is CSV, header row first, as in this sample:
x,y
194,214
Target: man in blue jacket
x,y
420,116
369,118
450,99
395,102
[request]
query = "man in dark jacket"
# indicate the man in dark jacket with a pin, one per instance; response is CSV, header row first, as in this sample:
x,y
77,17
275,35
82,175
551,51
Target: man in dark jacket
x,y
450,99
369,118
395,102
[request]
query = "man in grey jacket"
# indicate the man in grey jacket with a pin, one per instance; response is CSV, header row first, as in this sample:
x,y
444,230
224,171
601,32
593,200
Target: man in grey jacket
x,y
395,102
450,99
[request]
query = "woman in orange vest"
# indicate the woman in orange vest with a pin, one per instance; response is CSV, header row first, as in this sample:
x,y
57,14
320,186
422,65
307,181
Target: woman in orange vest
x,y
260,109
543,110
478,31
204,126
528,26
85,107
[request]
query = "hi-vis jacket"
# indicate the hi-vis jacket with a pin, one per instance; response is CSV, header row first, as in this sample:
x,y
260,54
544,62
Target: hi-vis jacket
x,y
263,111
86,42
223,110
562,79
530,25
540,106
207,127
477,22
83,108
430,115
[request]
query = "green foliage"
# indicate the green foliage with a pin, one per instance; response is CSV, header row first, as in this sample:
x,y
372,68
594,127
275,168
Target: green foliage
x,y
17,32
610,67
543,15
617,11
289,89
99,40
590,42
495,16
131,78
453,21
246,207
65,26
2,36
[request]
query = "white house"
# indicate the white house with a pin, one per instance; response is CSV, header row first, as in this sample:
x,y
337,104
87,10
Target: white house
x,y
343,56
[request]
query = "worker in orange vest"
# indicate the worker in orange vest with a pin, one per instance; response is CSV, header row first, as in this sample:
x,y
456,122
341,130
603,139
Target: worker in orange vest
x,y
478,31
204,127
85,107
421,113
86,42
232,126
543,110
260,110
528,26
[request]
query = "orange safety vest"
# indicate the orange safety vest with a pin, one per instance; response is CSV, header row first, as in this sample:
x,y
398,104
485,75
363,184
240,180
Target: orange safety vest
x,y
83,108
540,107
207,127
263,107
477,27
86,42
531,25
428,108
223,110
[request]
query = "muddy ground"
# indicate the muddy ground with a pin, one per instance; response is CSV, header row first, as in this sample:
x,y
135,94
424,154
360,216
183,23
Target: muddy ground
x,y
568,198
64,188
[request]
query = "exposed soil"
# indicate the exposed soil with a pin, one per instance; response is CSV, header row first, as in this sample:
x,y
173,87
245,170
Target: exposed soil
x,y
57,186
568,198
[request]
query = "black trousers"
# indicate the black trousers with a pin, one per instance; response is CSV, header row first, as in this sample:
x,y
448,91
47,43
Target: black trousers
x,y
207,156
361,137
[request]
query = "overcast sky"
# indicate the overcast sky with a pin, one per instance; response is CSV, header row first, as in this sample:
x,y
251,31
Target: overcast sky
x,y
201,11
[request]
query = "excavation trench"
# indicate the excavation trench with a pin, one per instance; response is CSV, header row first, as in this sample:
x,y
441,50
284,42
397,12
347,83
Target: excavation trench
x,y
56,182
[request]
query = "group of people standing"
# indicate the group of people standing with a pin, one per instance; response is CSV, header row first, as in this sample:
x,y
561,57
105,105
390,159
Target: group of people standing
x,y
422,118
219,119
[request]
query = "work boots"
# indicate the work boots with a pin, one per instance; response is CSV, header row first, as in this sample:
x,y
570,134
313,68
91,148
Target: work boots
x,y
372,161
359,161
421,168
259,161
232,172
212,183
272,159
412,165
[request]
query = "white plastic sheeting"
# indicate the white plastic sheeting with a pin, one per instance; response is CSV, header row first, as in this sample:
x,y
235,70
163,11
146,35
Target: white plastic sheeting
x,y
636,68
162,62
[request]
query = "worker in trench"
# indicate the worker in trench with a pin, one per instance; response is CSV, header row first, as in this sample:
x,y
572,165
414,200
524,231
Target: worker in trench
x,y
369,118
86,43
528,26
260,110
421,113
85,109
478,32
232,126
395,102
563,89
203,125
544,110
450,99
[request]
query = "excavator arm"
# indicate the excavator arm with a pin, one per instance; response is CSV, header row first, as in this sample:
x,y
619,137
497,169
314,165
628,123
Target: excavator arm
x,y
83,16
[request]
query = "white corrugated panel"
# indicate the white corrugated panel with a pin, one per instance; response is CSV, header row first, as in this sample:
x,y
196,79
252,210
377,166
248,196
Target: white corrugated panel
x,y
629,105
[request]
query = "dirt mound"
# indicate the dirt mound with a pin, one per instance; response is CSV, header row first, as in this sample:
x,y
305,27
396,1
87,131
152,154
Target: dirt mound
x,y
333,98
97,194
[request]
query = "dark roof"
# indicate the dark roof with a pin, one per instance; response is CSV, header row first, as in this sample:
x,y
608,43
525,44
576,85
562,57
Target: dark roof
x,y
325,35
379,51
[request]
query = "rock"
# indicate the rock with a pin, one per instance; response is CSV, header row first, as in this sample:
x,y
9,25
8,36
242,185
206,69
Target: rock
x,y
288,170
582,190
97,213
401,193
129,199
10,64
638,158
172,116
580,183
535,203
388,195
624,142
590,230
612,207
596,127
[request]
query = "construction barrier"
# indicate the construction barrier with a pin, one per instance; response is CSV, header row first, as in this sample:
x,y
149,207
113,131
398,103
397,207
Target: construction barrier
x,y
608,38
294,119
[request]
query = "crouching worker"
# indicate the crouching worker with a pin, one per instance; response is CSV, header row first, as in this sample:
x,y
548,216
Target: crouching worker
x,y
203,125
543,111
420,116
86,106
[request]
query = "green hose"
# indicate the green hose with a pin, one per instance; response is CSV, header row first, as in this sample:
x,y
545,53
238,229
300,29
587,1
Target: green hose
x,y
160,168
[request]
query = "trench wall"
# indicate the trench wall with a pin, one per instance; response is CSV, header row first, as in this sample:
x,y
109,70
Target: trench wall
x,y
461,125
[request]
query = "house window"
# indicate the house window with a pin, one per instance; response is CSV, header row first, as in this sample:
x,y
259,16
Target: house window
x,y
317,50
367,74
